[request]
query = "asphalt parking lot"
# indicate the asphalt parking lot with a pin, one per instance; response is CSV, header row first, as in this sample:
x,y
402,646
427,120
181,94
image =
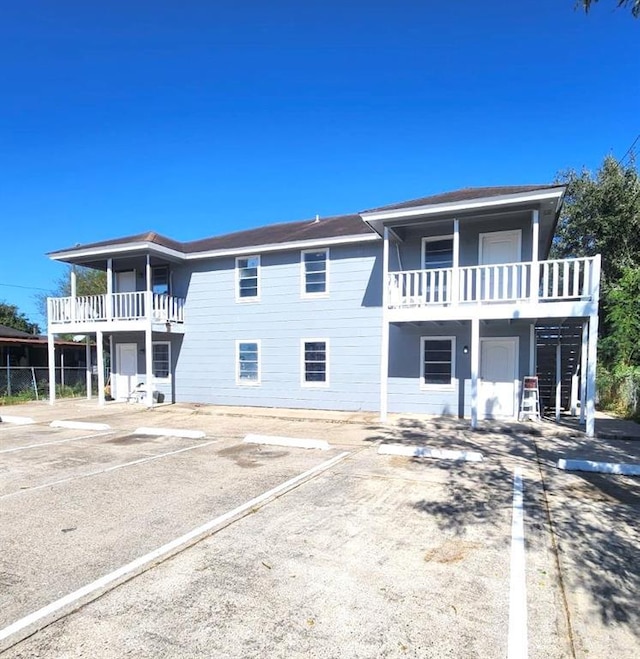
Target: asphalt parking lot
x,y
117,543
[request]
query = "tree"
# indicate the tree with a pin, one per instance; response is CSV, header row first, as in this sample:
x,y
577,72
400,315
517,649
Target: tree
x,y
601,215
635,5
11,316
88,282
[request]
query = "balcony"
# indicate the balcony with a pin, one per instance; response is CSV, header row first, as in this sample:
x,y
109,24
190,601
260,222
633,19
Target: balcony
x,y
574,281
115,311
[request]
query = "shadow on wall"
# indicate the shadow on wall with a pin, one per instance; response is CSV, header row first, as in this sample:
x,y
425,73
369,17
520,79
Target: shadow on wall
x,y
594,517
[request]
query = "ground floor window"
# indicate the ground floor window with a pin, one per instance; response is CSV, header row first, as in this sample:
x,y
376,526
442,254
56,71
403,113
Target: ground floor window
x,y
437,362
248,362
315,362
161,360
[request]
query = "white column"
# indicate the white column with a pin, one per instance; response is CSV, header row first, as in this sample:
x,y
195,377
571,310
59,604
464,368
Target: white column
x,y
583,371
384,339
74,287
148,353
592,355
87,357
111,358
535,251
100,365
109,289
51,346
532,349
558,379
455,280
475,369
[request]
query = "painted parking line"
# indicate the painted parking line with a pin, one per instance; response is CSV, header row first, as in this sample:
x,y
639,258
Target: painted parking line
x,y
293,442
59,441
617,468
517,643
79,425
17,420
47,614
426,452
170,432
105,470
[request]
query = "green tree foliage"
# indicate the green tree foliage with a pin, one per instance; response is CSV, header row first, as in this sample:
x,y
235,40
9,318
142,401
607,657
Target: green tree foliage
x,y
88,282
601,215
11,316
634,4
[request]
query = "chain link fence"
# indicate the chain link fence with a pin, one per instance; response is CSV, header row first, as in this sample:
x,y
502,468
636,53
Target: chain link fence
x,y
32,383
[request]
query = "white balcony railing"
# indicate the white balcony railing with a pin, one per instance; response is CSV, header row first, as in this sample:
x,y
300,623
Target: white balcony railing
x,y
116,307
544,281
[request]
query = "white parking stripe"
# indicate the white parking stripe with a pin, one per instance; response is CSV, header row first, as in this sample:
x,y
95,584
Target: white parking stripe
x,y
106,470
517,645
60,441
44,615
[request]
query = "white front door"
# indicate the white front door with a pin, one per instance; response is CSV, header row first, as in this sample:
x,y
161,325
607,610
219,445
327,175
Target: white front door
x,y
125,281
126,374
496,248
497,387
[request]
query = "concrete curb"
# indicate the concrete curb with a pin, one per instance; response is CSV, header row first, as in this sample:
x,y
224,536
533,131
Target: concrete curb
x,y
426,452
293,442
618,468
79,425
17,420
170,432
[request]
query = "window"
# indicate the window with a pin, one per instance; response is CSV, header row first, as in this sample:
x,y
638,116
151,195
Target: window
x,y
437,361
160,279
437,252
248,278
315,363
248,362
161,365
315,272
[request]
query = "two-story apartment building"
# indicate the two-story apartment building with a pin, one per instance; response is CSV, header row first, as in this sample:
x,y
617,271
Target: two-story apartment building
x,y
427,306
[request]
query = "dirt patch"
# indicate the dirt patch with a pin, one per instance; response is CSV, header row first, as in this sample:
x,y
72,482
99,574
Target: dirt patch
x,y
248,456
450,551
129,439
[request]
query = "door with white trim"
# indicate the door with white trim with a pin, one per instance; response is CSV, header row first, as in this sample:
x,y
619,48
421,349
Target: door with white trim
x,y
497,388
126,374
499,248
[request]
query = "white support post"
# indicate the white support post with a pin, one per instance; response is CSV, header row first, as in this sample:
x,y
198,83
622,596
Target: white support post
x,y
100,365
583,371
109,289
384,340
532,350
575,380
535,255
87,357
148,353
558,379
455,283
62,367
74,289
51,347
592,356
475,369
111,358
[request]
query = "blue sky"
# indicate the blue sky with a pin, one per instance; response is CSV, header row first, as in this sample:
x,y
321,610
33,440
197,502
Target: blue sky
x,y
195,118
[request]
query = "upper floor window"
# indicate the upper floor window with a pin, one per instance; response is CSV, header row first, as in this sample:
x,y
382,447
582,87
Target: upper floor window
x,y
437,361
160,279
437,252
161,363
248,278
315,272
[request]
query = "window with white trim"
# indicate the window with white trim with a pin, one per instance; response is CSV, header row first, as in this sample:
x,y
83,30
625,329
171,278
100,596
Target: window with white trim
x,y
248,362
248,278
315,272
160,279
315,362
437,252
437,361
161,362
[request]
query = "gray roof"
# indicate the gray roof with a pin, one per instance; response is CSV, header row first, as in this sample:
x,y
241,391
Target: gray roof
x,y
11,332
